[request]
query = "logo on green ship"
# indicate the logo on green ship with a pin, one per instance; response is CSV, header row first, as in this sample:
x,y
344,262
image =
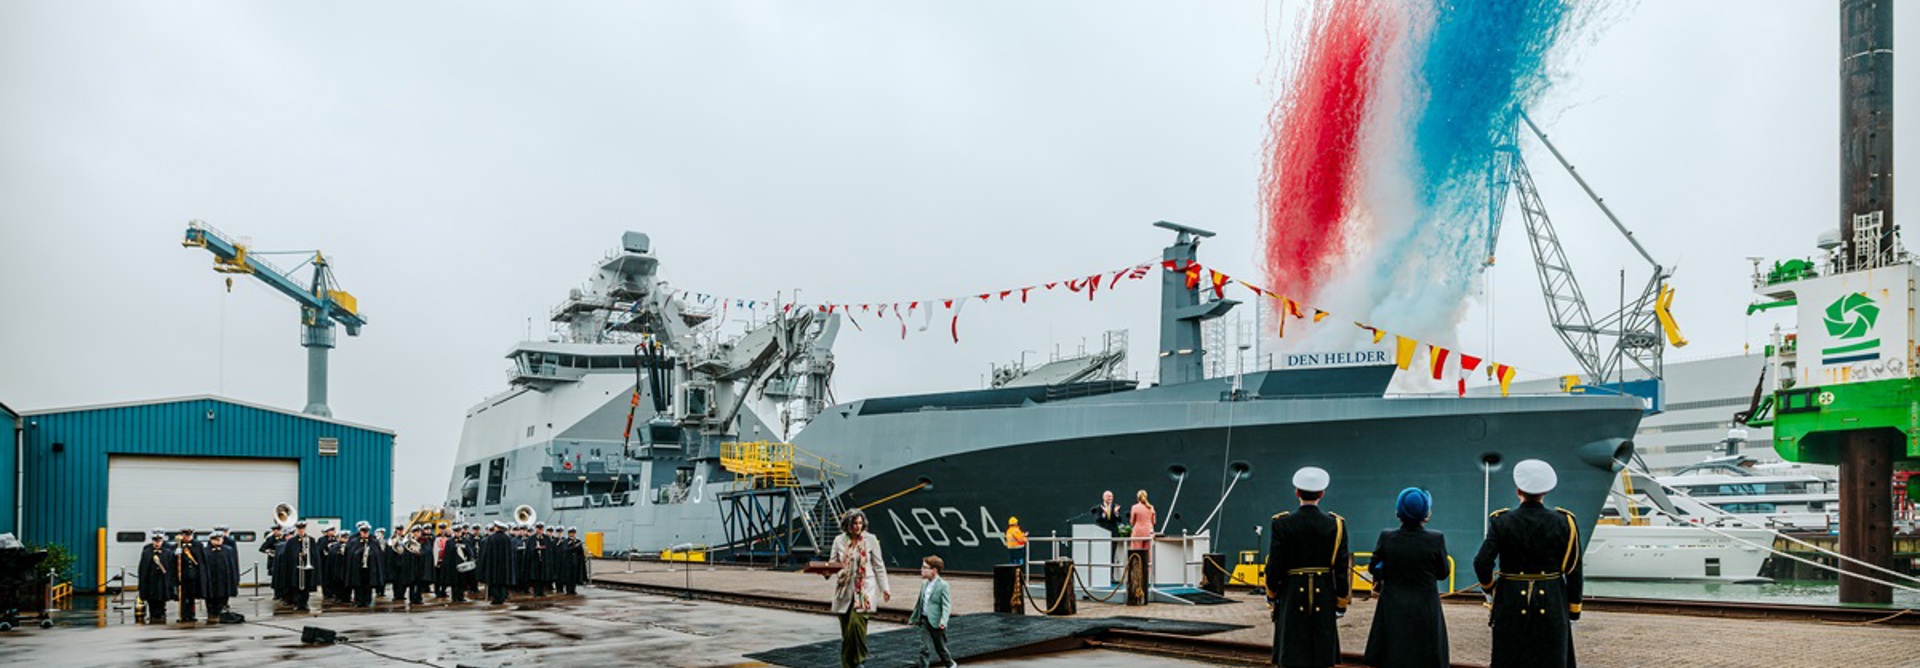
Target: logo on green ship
x,y
1849,320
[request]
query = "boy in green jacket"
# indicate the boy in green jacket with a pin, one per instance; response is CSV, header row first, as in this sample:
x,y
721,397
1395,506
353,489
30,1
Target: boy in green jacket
x,y
931,611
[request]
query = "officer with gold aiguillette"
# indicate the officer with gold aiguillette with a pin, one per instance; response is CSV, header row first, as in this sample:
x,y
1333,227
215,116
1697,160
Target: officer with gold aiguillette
x,y
1535,594
1307,577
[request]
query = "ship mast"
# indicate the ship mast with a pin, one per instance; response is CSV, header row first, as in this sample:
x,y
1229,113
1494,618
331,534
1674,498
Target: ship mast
x,y
1182,354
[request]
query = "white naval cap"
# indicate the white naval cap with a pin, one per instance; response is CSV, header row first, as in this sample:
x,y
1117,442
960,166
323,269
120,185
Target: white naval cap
x,y
157,533
1311,479
362,524
1533,476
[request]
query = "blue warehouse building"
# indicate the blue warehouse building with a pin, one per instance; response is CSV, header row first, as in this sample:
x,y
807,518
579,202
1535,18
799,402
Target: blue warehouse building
x,y
9,469
98,478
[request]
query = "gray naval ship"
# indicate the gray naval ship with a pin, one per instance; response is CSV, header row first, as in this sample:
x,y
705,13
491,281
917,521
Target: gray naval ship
x,y
638,419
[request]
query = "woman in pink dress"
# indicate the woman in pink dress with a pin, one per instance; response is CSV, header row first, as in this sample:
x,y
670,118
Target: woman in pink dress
x,y
1143,521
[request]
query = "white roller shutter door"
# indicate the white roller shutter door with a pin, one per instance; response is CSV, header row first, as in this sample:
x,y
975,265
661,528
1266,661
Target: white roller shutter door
x,y
199,492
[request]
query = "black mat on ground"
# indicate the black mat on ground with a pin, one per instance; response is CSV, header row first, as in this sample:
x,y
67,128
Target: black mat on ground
x,y
980,634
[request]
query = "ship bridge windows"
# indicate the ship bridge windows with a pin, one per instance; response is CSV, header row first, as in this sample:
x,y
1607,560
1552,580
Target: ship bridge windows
x,y
470,487
496,480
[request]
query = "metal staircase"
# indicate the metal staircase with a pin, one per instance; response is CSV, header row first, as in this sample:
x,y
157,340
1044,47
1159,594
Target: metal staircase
x,y
772,512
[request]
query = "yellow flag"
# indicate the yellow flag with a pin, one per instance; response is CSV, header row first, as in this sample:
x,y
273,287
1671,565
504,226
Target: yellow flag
x,y
1403,351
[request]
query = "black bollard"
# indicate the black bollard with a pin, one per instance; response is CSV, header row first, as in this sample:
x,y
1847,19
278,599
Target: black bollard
x,y
1213,572
1009,589
1137,577
1060,599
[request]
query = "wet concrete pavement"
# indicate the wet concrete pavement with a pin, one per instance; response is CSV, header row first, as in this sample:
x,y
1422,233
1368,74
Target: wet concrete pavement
x,y
1604,639
599,628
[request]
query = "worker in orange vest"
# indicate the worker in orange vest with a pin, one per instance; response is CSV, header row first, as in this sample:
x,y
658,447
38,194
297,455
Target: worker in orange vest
x,y
1016,541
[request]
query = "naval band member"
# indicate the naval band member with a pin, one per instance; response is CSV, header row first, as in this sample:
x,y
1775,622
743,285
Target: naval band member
x,y
298,566
366,565
270,546
1307,577
1536,590
189,565
221,579
156,575
497,563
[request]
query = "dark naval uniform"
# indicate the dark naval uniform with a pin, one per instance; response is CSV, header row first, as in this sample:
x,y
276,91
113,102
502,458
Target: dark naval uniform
x,y
1536,590
156,580
297,569
497,565
220,581
1308,582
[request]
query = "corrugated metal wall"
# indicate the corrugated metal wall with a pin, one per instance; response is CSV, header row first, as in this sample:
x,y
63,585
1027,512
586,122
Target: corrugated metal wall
x,y
66,492
9,501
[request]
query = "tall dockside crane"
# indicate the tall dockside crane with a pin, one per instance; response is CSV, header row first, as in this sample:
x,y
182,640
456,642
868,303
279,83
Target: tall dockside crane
x,y
322,302
1643,326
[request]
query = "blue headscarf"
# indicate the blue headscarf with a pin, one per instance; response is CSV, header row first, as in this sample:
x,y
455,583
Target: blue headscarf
x,y
1414,504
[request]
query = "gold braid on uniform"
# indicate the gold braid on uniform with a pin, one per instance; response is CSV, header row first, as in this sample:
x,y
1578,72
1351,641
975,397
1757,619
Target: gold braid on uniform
x,y
1345,570
1572,557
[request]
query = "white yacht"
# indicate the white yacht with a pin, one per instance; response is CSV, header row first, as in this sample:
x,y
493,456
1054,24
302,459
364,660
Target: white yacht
x,y
1677,552
1783,499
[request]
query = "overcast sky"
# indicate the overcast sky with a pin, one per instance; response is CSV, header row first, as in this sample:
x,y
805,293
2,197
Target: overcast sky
x,y
464,164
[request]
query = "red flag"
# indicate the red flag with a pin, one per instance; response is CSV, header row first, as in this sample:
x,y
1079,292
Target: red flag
x,y
1093,285
1193,275
1437,358
1004,293
1023,294
1219,282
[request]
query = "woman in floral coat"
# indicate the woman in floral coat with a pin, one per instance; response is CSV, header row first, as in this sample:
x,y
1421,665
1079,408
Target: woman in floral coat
x,y
859,587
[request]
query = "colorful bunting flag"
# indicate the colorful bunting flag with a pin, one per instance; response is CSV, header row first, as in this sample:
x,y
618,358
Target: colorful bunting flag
x,y
1437,358
1467,364
1403,348
1505,374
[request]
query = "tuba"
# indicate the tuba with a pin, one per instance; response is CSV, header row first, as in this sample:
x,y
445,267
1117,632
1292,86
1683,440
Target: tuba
x,y
523,514
284,515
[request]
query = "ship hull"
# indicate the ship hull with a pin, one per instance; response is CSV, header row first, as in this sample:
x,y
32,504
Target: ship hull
x,y
979,470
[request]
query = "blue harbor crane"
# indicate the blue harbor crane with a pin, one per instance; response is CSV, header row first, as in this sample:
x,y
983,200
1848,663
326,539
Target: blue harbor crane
x,y
322,302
